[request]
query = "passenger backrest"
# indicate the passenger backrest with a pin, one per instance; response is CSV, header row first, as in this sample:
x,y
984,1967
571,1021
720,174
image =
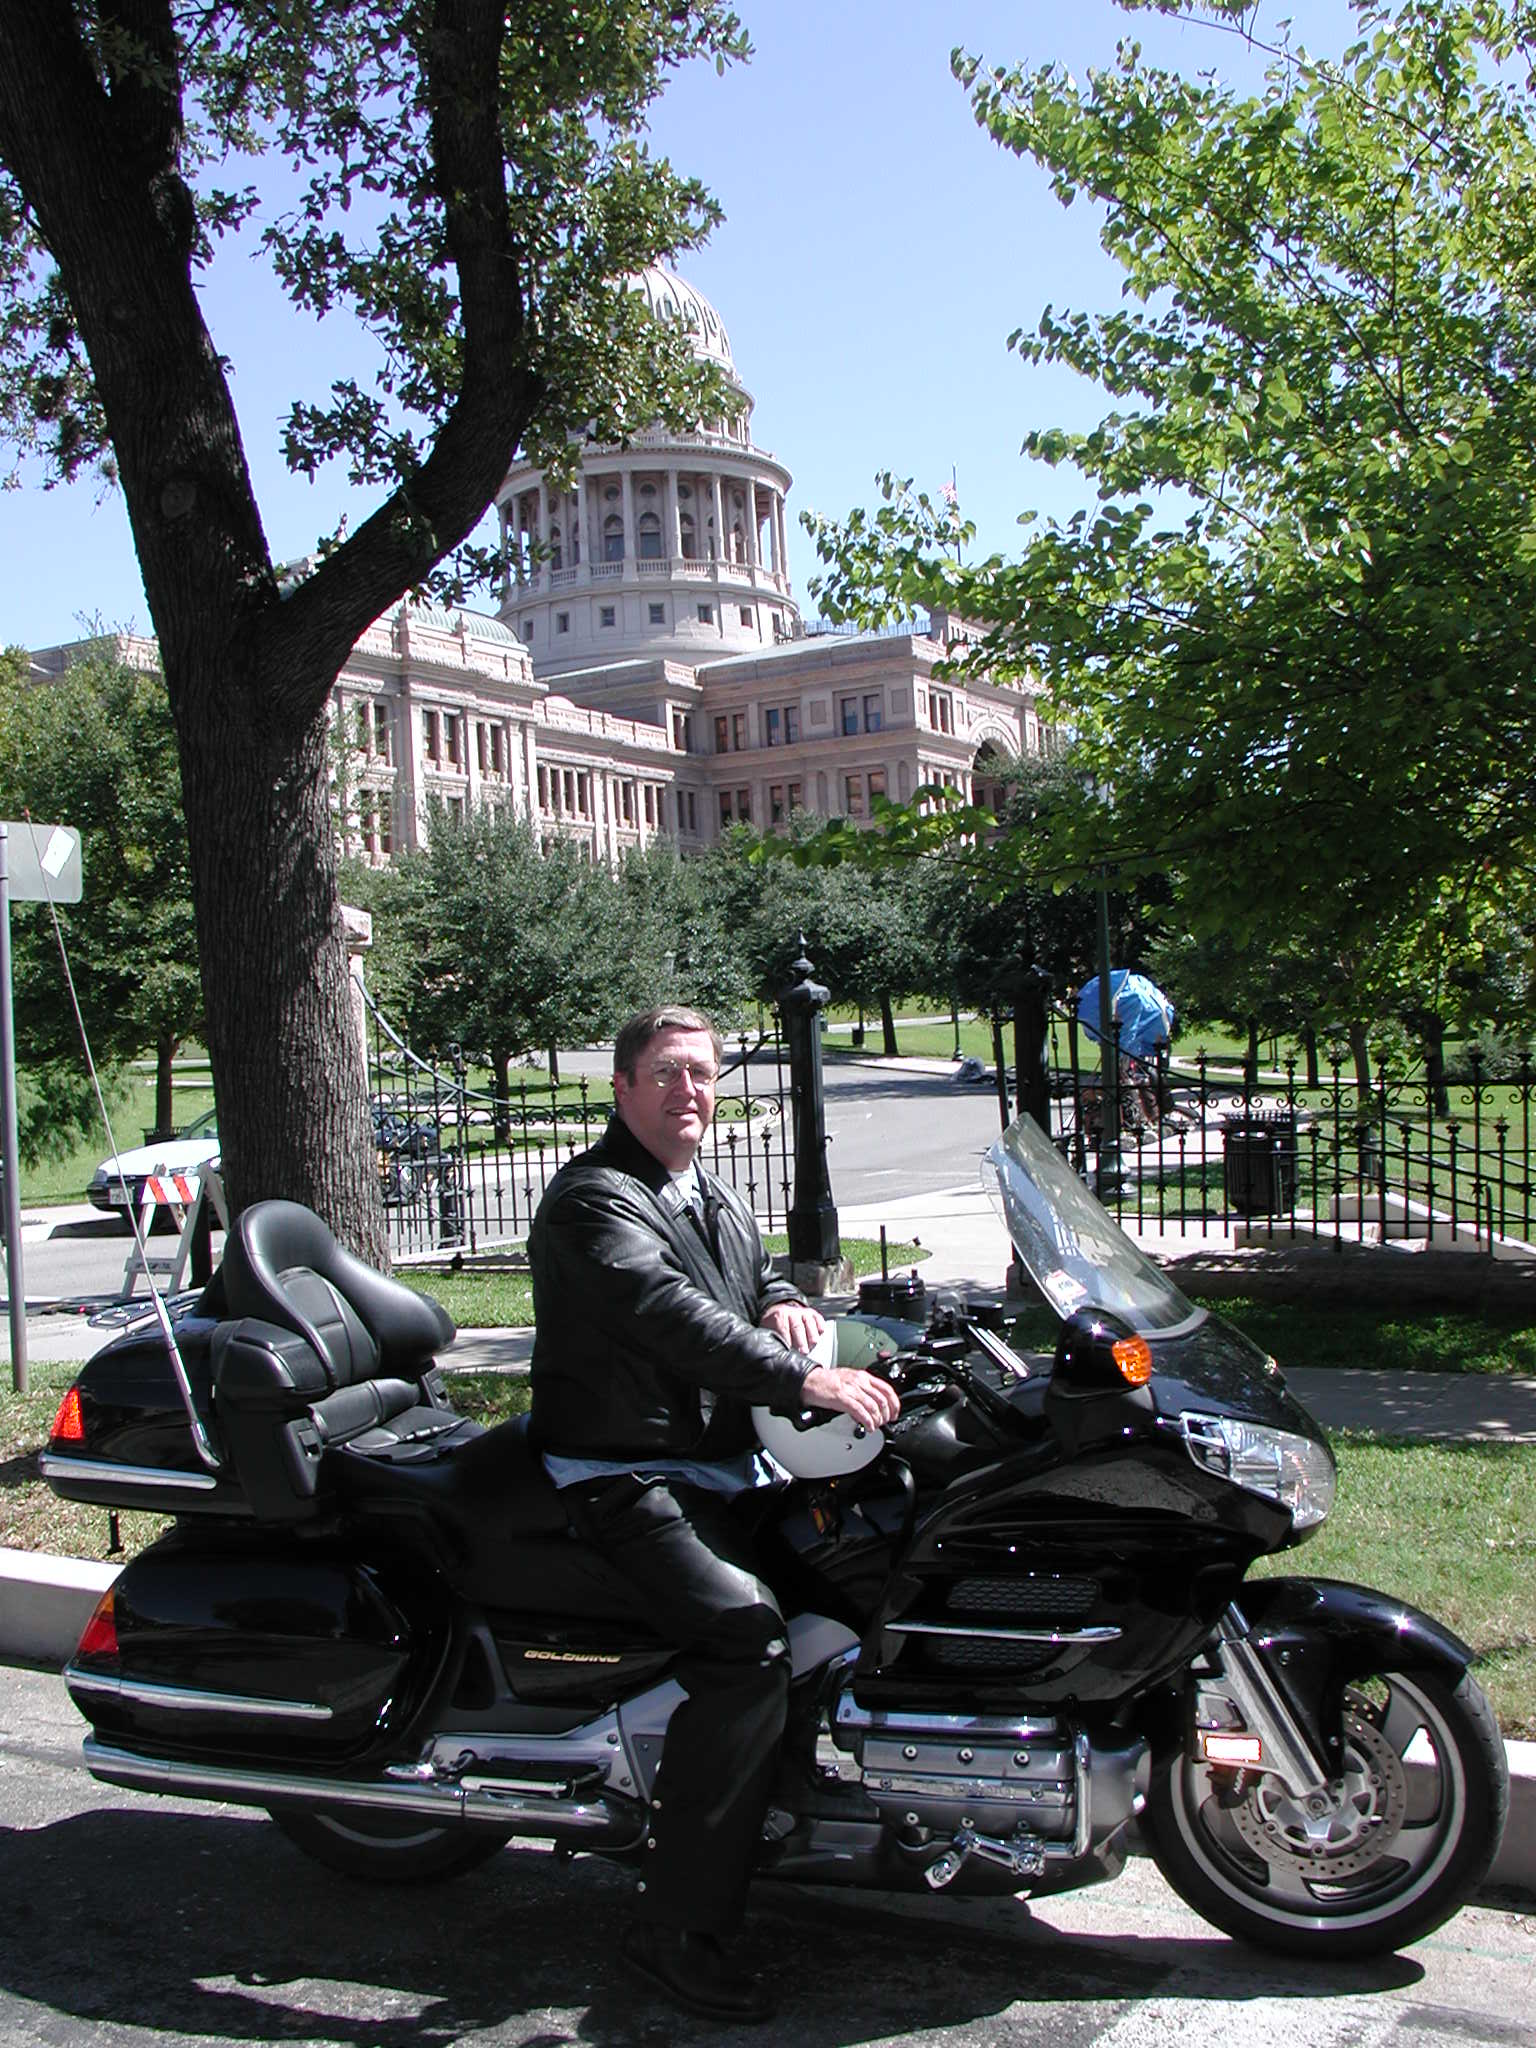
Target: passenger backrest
x,y
283,1266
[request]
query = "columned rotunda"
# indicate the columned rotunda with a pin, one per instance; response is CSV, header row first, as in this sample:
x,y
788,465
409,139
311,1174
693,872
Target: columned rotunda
x,y
672,546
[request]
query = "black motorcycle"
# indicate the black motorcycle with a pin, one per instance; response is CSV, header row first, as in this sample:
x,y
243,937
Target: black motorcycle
x,y
1023,1614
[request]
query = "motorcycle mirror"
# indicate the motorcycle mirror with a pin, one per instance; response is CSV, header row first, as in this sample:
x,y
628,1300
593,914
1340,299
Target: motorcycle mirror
x,y
1097,1353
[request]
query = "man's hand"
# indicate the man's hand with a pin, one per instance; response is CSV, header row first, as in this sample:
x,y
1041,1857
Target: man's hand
x,y
864,1396
796,1322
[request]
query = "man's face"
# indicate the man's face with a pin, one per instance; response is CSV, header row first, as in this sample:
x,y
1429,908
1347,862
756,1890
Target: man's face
x,y
670,1101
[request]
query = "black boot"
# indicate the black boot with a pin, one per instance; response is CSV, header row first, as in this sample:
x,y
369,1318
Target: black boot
x,y
694,1971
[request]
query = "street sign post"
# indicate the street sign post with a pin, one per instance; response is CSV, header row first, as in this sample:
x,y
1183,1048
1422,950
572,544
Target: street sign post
x,y
38,864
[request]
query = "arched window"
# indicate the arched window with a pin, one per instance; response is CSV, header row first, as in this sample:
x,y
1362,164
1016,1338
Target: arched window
x,y
613,538
556,555
690,537
650,537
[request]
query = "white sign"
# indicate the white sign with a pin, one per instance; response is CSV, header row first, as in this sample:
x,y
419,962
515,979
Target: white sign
x,y
44,861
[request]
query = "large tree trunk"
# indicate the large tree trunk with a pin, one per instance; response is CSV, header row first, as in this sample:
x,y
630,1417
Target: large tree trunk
x,y
282,1037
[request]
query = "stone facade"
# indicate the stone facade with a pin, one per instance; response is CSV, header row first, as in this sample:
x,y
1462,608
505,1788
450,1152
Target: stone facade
x,y
648,671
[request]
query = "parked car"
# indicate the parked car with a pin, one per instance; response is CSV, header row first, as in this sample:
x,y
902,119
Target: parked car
x,y
197,1146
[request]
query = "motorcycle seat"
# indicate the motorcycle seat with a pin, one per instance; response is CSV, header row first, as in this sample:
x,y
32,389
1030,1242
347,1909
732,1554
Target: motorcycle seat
x,y
499,1516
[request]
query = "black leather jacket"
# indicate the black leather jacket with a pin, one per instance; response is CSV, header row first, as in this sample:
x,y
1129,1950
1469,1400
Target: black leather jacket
x,y
634,1317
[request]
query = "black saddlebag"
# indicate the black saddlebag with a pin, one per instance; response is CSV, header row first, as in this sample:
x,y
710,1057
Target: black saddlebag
x,y
243,1645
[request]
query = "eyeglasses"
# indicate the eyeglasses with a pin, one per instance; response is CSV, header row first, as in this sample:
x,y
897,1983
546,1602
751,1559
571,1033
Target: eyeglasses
x,y
665,1074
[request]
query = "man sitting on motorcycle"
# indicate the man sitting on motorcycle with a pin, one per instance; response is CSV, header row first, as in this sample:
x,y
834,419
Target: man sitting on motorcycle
x,y
659,1321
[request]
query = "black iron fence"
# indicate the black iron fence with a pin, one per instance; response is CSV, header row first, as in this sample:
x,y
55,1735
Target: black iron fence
x,y
463,1166
1195,1147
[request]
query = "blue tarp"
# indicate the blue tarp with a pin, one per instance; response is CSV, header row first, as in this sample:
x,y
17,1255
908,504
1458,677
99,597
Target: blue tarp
x,y
1143,1012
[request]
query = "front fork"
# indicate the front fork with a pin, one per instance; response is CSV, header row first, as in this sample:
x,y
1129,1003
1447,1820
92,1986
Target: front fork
x,y
1242,1718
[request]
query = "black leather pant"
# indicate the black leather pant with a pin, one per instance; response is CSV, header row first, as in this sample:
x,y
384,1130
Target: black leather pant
x,y
697,1585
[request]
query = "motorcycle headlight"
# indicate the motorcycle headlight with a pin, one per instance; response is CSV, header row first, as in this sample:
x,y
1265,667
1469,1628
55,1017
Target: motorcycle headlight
x,y
1294,1470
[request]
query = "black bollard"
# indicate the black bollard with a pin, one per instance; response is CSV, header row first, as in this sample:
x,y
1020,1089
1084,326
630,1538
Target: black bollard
x,y
813,1238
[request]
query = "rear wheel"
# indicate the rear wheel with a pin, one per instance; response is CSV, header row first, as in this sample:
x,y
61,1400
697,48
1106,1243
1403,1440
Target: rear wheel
x,y
388,1848
1409,1827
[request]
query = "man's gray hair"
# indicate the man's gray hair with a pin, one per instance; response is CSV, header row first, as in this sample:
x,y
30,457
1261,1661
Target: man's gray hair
x,y
637,1034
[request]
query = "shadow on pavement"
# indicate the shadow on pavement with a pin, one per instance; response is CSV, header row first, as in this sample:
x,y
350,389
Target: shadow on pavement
x,y
212,1926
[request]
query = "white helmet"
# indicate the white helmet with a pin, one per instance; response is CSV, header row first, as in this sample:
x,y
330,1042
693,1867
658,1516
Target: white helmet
x,y
821,1443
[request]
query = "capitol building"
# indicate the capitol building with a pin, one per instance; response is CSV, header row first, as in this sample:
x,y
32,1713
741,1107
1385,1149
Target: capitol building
x,y
647,671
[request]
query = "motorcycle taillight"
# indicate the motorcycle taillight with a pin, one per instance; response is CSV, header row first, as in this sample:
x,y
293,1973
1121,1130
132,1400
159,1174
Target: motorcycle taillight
x,y
100,1638
69,1421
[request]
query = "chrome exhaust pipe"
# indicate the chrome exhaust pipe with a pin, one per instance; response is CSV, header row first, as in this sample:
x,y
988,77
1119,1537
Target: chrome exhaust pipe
x,y
591,1824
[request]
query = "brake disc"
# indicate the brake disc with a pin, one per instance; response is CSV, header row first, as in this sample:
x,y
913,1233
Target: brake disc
x,y
1339,1834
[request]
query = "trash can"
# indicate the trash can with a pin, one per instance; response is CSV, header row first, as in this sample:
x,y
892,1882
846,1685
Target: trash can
x,y
1258,1162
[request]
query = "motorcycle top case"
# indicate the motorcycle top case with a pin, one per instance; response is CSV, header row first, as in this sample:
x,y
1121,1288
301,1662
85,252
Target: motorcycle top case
x,y
130,1445
238,1645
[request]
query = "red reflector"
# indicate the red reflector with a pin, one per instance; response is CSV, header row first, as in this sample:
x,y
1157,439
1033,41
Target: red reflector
x,y
69,1422
100,1638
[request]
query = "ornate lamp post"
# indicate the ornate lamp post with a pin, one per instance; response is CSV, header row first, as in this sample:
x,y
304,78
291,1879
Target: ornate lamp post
x,y
813,1237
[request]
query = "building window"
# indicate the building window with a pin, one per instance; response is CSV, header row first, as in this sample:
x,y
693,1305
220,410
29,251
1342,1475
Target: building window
x,y
657,614
739,730
455,809
690,537
543,789
876,786
584,794
725,807
381,750
722,735
791,724
562,622
772,728
941,711
746,614
796,797
872,717
607,615
613,538
650,804
451,736
744,805
430,743
693,816
527,632
853,796
482,747
706,614
848,715
775,803
498,753
650,537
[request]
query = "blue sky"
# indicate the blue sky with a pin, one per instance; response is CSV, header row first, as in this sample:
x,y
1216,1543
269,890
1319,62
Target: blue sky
x,y
878,249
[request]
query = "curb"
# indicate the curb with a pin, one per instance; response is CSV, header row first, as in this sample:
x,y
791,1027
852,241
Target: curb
x,y
45,1602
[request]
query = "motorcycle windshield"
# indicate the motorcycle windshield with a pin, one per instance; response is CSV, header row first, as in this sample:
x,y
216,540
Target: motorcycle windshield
x,y
1076,1254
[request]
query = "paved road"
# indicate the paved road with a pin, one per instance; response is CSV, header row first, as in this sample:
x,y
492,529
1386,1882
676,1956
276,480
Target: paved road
x,y
126,1919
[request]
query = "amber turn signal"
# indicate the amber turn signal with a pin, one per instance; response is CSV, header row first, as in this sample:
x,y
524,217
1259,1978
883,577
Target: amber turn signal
x,y
1133,1355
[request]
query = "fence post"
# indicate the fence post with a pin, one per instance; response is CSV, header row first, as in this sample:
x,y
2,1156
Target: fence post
x,y
1032,1089
815,1252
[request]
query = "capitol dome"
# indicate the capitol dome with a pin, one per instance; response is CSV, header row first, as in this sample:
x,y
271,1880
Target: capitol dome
x,y
672,299
669,546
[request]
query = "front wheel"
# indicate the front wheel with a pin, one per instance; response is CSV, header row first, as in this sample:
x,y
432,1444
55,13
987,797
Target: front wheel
x,y
387,1848
1409,1829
